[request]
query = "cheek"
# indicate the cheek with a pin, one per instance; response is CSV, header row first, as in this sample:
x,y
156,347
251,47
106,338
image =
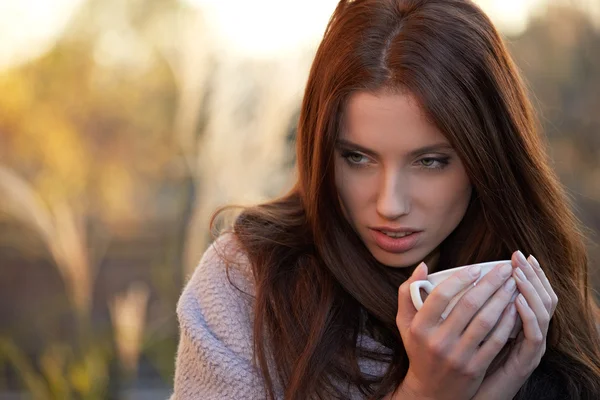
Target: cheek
x,y
354,191
449,199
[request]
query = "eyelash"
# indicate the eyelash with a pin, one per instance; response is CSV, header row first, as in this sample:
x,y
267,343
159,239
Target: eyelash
x,y
346,156
442,162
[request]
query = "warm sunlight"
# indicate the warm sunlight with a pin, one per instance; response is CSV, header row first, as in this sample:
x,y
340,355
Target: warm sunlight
x,y
511,16
259,28
133,133
266,27
29,27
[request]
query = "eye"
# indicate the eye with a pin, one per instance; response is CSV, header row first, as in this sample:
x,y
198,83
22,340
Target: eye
x,y
432,163
355,159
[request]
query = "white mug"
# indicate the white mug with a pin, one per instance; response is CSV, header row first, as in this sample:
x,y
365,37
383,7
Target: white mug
x,y
436,278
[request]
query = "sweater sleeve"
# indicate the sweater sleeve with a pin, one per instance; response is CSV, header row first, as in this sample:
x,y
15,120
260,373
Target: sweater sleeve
x,y
214,357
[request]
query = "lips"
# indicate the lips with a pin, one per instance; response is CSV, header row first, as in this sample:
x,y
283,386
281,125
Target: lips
x,y
395,240
396,234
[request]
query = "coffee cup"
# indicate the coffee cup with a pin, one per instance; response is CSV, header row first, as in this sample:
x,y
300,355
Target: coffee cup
x,y
436,278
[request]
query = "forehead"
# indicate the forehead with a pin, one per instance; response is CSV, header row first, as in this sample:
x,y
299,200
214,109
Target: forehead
x,y
388,120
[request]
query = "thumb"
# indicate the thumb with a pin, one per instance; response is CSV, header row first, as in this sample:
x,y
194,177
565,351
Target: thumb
x,y
406,308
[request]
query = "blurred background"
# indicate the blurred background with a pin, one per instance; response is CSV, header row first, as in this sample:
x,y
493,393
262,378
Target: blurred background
x,y
125,123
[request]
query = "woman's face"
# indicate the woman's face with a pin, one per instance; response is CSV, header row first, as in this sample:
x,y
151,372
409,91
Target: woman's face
x,y
401,185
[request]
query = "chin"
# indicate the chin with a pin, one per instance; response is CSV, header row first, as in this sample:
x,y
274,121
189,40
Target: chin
x,y
403,260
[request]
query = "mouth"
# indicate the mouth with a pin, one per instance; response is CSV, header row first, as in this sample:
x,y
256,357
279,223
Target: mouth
x,y
395,235
396,241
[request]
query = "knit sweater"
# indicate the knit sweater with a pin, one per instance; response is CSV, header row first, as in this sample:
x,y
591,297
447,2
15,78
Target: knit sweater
x,y
215,353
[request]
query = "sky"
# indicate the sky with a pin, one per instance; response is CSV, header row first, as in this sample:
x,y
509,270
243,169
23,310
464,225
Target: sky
x,y
28,28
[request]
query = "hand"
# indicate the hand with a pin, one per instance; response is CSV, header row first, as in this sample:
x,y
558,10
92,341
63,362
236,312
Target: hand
x,y
447,357
536,305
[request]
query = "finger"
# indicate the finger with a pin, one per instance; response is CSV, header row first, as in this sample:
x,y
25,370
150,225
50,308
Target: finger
x,y
475,298
520,261
497,339
531,329
533,300
439,299
486,319
406,309
542,277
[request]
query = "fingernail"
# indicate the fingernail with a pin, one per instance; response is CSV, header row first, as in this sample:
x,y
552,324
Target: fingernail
x,y
420,267
520,274
505,270
534,261
510,285
474,270
521,259
522,300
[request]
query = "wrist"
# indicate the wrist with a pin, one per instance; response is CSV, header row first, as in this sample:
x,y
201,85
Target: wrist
x,y
499,386
408,390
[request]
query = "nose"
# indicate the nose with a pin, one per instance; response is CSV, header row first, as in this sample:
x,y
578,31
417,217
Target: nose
x,y
394,196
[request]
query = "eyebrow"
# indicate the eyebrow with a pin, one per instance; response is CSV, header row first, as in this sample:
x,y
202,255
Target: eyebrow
x,y
422,150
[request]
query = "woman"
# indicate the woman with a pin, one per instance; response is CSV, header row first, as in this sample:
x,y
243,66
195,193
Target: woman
x,y
417,151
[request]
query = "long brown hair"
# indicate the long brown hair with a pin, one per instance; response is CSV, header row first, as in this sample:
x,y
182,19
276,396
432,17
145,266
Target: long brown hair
x,y
317,286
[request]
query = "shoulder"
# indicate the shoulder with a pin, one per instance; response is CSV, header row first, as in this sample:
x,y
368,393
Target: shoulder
x,y
215,312
224,263
220,291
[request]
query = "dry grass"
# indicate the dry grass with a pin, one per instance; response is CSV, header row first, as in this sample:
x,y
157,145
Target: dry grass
x,y
242,155
61,229
128,315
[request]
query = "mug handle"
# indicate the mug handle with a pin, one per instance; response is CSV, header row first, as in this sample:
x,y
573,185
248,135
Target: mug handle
x,y
415,292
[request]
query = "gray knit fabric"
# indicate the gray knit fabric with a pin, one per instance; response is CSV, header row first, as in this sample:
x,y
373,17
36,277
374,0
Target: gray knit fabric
x,y
214,358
